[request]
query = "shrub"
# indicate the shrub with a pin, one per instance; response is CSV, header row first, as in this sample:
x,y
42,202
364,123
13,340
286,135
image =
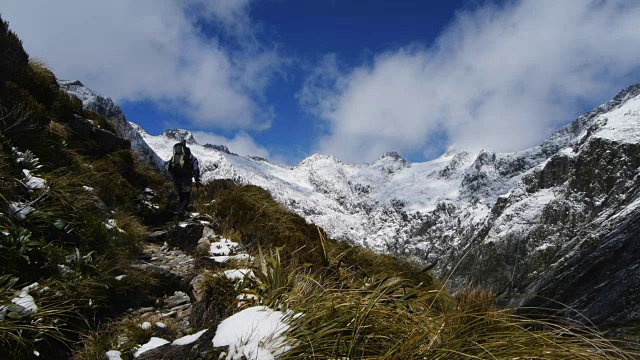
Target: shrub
x,y
42,84
218,297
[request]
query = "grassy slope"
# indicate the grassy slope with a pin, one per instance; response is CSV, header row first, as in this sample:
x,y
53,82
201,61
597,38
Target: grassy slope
x,y
362,305
63,244
356,304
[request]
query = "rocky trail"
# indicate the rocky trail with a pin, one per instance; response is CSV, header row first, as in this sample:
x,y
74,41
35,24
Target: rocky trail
x,y
170,254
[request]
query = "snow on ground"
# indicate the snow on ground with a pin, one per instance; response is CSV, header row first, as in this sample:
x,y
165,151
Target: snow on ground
x,y
225,258
244,298
21,210
186,340
113,355
86,95
153,343
239,274
621,124
112,224
25,300
519,218
257,333
33,182
222,247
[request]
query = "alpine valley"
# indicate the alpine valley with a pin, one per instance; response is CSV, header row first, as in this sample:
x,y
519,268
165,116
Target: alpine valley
x,y
555,224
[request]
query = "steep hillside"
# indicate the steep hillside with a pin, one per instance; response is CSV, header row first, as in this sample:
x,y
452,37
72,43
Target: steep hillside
x,y
92,101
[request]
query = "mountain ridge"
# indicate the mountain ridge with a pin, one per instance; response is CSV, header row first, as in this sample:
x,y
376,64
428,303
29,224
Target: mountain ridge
x,y
460,203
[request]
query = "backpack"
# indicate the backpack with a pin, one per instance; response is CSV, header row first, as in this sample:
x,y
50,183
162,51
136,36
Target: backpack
x,y
181,161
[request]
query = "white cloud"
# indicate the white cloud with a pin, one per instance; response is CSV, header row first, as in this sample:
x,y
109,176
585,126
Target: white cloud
x,y
241,143
155,50
499,77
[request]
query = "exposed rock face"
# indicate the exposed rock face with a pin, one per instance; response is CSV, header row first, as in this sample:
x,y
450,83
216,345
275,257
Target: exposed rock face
x,y
569,230
554,220
221,148
107,141
100,104
178,135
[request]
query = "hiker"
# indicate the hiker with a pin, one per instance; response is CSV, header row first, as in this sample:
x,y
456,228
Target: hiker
x,y
183,167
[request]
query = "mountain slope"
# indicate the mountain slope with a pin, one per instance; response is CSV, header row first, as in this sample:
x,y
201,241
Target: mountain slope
x,y
509,221
100,104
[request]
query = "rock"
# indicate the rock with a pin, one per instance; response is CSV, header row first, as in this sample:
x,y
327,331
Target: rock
x,y
185,236
170,281
181,307
204,246
200,349
107,141
142,310
608,265
208,233
196,287
157,237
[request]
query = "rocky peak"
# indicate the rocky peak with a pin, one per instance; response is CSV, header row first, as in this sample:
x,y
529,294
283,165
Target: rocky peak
x,y
71,82
137,128
178,135
391,162
392,155
221,148
484,158
627,93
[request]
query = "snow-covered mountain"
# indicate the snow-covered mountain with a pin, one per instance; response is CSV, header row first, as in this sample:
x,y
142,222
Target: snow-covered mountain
x,y
554,220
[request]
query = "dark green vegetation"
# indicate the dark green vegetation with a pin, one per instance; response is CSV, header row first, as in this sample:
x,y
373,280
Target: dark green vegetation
x,y
86,223
59,233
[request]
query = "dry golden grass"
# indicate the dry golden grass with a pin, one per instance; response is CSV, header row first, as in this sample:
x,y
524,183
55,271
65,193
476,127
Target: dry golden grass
x,y
60,130
131,225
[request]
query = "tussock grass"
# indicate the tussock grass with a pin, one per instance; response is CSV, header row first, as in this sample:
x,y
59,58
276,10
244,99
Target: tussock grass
x,y
252,215
123,335
20,332
357,304
131,225
217,302
391,318
60,130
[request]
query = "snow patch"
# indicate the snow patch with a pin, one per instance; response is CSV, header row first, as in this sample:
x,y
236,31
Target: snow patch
x,y
223,247
25,300
186,340
155,342
113,355
112,224
21,210
258,333
225,258
33,182
621,124
239,274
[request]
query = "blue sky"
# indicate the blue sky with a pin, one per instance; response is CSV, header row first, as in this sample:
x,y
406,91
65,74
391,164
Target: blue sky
x,y
283,79
305,31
